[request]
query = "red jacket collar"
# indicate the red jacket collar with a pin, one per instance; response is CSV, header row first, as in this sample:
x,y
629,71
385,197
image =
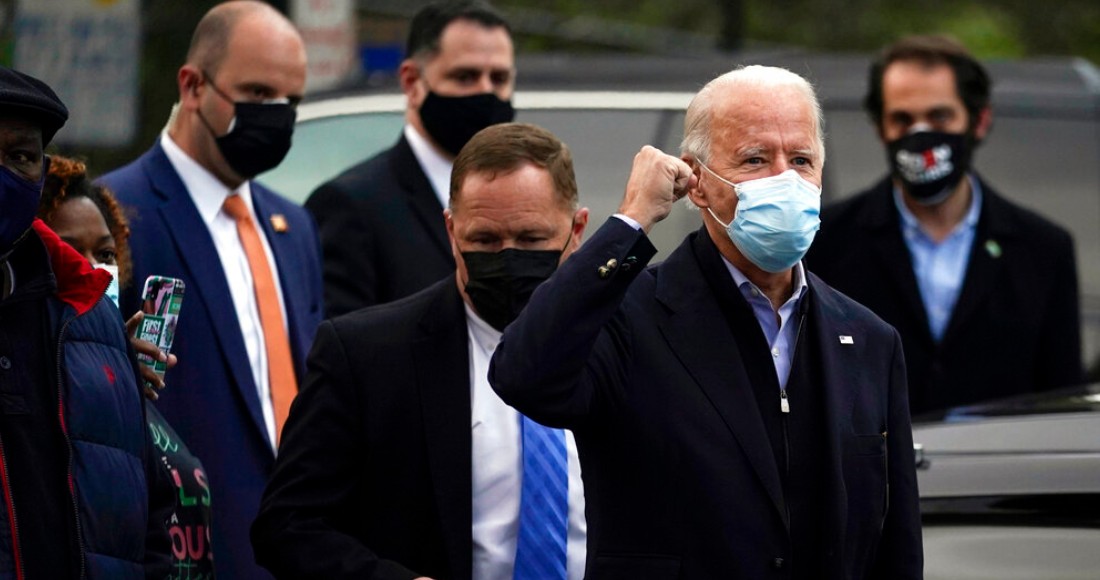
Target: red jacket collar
x,y
78,283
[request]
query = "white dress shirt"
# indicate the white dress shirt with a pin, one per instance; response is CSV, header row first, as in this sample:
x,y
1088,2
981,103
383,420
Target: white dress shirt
x,y
497,462
208,195
434,165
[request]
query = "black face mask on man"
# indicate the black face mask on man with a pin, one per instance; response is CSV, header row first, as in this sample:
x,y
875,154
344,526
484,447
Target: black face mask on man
x,y
19,198
259,136
500,283
930,164
453,121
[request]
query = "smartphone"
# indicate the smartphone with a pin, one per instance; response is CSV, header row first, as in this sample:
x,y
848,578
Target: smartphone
x,y
160,301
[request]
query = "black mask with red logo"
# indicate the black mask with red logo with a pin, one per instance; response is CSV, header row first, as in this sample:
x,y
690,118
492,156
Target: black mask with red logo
x,y
930,164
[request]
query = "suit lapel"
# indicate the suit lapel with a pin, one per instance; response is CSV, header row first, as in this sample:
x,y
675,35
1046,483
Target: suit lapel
x,y
422,199
892,255
838,362
700,337
199,257
984,265
442,372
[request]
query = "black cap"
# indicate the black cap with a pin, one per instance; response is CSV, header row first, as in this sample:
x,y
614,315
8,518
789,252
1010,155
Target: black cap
x,y
25,95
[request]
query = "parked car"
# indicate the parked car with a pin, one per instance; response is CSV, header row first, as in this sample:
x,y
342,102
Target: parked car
x,y
1042,151
1011,490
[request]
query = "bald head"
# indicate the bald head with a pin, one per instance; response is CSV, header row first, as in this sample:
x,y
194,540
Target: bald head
x,y
243,53
210,42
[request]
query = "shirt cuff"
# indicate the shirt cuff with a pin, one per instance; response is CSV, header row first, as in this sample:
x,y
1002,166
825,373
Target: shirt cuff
x,y
629,221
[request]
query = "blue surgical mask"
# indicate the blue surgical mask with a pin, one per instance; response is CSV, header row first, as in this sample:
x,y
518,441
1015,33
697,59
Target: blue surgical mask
x,y
112,288
18,206
775,220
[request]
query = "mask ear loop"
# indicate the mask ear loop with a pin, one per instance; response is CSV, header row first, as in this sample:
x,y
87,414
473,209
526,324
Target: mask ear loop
x,y
732,186
569,238
208,80
719,177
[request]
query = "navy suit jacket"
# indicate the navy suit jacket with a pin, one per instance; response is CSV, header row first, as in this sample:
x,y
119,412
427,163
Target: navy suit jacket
x,y
374,477
382,231
679,474
211,399
1015,328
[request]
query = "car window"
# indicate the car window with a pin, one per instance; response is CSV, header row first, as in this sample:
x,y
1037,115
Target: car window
x,y
325,147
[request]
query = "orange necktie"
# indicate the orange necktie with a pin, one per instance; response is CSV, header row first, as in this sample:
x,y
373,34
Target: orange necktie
x,y
280,370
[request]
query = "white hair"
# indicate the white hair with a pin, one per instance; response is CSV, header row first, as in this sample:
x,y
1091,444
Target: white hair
x,y
697,142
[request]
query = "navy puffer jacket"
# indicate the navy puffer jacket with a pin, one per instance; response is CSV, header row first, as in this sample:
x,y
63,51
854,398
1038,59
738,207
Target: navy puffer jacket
x,y
102,419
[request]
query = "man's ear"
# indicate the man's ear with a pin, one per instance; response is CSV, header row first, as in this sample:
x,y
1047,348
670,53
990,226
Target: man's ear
x,y
449,222
879,132
409,73
580,222
189,79
984,123
695,193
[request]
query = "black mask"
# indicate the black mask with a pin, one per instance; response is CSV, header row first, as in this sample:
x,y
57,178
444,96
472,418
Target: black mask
x,y
19,202
259,135
453,121
501,283
258,138
930,164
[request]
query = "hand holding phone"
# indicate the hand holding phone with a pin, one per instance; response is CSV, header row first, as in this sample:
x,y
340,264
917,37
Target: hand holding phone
x,y
160,302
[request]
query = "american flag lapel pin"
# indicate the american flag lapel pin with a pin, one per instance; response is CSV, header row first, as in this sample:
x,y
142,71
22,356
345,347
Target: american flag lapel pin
x,y
279,223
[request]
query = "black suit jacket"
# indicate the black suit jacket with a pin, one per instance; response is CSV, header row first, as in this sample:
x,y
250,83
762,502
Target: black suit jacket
x,y
382,231
1015,328
680,479
373,478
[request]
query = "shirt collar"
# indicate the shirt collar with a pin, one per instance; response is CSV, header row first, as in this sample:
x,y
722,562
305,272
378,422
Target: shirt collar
x,y
746,286
435,166
910,223
207,191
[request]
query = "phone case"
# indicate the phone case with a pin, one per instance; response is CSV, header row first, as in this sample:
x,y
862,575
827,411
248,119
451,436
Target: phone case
x,y
160,301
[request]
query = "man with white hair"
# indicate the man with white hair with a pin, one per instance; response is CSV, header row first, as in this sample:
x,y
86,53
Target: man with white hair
x,y
735,416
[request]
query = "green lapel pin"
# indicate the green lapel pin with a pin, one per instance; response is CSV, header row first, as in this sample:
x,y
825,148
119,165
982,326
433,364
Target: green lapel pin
x,y
993,248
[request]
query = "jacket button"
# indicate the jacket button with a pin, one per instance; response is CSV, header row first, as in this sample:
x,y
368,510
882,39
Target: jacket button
x,y
5,363
605,270
777,563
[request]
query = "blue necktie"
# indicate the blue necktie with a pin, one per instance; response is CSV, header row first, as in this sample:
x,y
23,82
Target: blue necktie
x,y
544,504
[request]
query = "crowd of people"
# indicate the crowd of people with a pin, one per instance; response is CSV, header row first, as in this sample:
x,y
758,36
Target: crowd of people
x,y
407,377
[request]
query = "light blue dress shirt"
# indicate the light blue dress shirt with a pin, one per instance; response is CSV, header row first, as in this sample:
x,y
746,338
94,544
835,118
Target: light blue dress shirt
x,y
782,334
940,267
